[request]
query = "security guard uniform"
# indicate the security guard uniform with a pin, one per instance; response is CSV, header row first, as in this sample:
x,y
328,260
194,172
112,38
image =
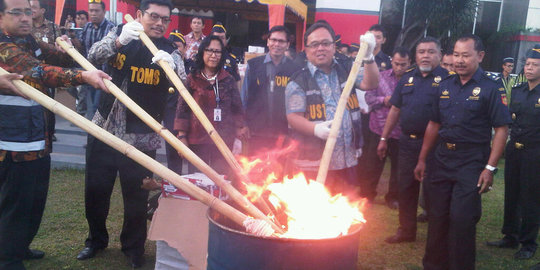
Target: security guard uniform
x,y
522,170
467,114
231,65
414,96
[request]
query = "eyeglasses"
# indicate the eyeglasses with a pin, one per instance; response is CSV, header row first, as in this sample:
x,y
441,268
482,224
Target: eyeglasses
x,y
280,41
19,12
210,52
155,17
324,44
94,1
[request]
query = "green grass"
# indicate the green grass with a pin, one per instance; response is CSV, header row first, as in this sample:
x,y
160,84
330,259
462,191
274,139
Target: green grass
x,y
382,222
64,229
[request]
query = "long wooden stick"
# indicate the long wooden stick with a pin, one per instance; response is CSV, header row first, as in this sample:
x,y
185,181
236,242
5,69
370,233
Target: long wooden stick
x,y
181,148
130,151
197,111
338,116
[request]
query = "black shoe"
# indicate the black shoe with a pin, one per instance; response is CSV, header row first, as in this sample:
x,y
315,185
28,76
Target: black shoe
x,y
87,253
503,243
400,238
535,267
422,218
392,204
34,254
524,253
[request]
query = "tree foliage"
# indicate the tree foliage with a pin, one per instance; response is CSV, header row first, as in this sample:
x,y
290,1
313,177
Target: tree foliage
x,y
434,17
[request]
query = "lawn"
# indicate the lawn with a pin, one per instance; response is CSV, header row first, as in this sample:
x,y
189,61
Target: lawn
x,y
64,230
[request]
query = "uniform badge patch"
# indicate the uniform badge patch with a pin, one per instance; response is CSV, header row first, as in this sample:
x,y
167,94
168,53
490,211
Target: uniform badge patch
x,y
476,91
513,116
438,79
411,79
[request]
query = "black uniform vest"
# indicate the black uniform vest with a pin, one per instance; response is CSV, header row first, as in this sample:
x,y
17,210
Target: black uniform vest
x,y
265,111
21,120
147,83
311,147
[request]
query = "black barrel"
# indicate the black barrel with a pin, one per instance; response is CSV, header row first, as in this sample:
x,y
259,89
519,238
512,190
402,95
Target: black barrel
x,y
233,249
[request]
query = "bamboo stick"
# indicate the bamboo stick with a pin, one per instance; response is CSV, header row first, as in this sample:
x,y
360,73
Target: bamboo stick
x,y
181,148
197,111
130,151
338,116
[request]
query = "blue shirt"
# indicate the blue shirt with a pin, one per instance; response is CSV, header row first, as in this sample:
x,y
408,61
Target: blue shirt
x,y
414,96
525,111
468,112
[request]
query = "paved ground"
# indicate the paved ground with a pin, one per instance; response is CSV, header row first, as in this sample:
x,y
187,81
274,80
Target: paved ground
x,y
69,149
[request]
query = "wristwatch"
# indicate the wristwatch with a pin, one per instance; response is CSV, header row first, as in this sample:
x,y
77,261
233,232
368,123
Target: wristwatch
x,y
492,169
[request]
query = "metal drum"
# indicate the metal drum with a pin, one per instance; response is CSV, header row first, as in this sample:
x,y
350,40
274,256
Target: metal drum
x,y
230,248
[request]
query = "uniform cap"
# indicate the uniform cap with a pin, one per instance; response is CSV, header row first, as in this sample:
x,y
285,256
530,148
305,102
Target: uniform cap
x,y
508,60
219,28
534,52
177,37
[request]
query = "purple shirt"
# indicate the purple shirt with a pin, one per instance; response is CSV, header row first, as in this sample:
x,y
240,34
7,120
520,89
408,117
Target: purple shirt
x,y
375,100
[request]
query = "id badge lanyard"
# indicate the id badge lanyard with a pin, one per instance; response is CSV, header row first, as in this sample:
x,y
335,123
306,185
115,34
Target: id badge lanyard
x,y
215,86
217,110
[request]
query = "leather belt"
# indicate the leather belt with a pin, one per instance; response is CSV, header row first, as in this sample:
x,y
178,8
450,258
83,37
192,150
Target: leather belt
x,y
415,136
460,146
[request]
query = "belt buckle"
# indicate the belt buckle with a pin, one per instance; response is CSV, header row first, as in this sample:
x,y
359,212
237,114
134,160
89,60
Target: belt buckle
x,y
412,136
451,146
519,145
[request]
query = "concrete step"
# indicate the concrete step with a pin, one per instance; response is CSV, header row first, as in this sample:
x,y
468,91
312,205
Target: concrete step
x,y
69,150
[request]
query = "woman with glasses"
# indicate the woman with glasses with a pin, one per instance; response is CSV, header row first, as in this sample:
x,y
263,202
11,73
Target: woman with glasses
x,y
216,92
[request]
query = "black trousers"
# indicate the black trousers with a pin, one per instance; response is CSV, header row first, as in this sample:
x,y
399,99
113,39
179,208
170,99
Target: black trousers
x,y
210,154
454,207
174,160
23,193
409,187
103,164
370,168
522,194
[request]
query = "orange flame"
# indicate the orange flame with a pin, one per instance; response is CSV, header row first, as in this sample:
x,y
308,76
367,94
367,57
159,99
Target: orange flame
x,y
311,211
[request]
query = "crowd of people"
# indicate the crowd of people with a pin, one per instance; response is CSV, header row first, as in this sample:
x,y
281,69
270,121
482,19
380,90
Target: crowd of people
x,y
442,121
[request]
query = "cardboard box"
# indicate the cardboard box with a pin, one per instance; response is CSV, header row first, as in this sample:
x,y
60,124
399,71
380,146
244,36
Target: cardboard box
x,y
198,179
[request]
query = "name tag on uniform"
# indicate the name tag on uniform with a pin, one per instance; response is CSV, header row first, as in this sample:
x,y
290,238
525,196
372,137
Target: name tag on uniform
x,y
217,115
45,39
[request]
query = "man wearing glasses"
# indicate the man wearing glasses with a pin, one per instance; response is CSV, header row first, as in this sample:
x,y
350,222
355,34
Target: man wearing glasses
x,y
263,91
311,100
135,70
93,32
25,140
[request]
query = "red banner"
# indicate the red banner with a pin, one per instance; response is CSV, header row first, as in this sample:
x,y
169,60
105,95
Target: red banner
x,y
59,9
276,15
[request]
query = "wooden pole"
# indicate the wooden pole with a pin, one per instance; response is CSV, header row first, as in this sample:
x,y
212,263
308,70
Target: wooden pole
x,y
197,111
130,151
181,148
338,116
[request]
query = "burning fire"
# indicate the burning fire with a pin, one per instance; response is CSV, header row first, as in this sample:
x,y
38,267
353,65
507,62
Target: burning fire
x,y
308,208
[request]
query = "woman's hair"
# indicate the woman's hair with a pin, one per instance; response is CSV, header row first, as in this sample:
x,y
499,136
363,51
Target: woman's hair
x,y
199,58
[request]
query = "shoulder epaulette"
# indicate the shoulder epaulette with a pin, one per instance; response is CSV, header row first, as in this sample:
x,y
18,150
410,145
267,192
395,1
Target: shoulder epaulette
x,y
492,76
519,84
232,55
450,73
410,69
